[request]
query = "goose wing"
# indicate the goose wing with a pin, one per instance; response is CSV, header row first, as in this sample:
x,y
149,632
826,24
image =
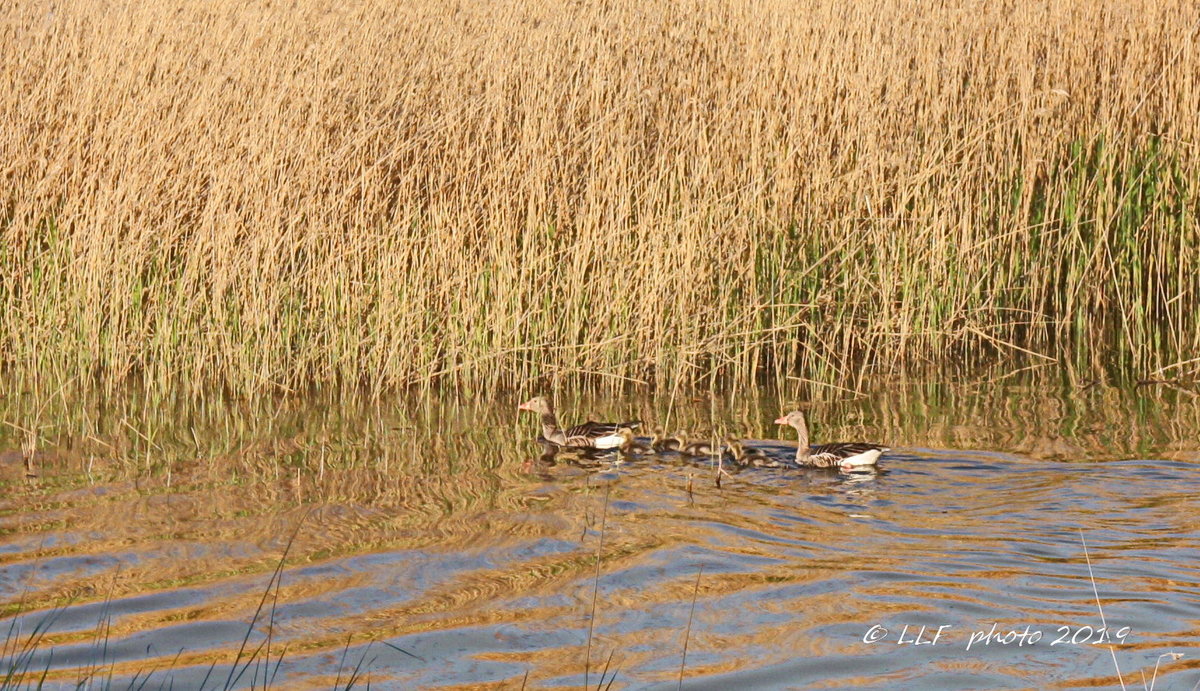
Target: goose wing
x,y
846,450
826,455
595,430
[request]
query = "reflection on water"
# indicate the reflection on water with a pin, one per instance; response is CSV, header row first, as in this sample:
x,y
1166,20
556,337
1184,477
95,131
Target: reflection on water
x,y
433,547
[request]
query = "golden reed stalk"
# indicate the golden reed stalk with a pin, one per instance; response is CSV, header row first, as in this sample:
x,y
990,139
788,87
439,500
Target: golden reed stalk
x,y
274,194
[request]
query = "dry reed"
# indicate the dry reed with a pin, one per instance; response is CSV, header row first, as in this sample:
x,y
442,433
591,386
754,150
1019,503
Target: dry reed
x,y
268,195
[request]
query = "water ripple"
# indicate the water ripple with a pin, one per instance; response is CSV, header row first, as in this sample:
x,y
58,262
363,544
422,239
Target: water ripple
x,y
491,575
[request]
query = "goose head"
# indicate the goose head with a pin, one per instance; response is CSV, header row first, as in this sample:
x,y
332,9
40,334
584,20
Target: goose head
x,y
536,405
794,418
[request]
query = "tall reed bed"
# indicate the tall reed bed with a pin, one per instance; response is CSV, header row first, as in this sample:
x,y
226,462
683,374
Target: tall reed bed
x,y
267,195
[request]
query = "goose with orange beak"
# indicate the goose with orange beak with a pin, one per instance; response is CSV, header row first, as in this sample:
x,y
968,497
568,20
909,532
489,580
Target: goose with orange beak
x,y
589,435
840,455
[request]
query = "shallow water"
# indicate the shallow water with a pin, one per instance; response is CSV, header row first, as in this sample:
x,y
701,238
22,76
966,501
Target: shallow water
x,y
431,549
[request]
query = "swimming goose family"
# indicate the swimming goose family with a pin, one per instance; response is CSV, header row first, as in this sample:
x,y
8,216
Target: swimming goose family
x,y
619,435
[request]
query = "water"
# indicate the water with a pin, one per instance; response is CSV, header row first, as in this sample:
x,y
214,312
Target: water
x,y
431,549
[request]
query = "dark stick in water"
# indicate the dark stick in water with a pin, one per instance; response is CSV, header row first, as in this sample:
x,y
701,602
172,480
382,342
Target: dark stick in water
x,y
688,633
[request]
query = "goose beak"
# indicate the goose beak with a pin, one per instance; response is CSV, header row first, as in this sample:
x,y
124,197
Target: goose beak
x,y
525,406
781,421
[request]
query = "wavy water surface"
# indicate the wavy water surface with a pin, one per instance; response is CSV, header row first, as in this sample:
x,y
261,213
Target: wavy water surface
x,y
428,547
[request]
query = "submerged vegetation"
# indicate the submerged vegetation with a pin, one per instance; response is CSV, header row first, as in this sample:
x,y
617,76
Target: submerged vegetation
x,y
268,196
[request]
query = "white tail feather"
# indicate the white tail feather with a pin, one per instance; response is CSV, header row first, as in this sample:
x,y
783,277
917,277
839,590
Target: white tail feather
x,y
861,459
